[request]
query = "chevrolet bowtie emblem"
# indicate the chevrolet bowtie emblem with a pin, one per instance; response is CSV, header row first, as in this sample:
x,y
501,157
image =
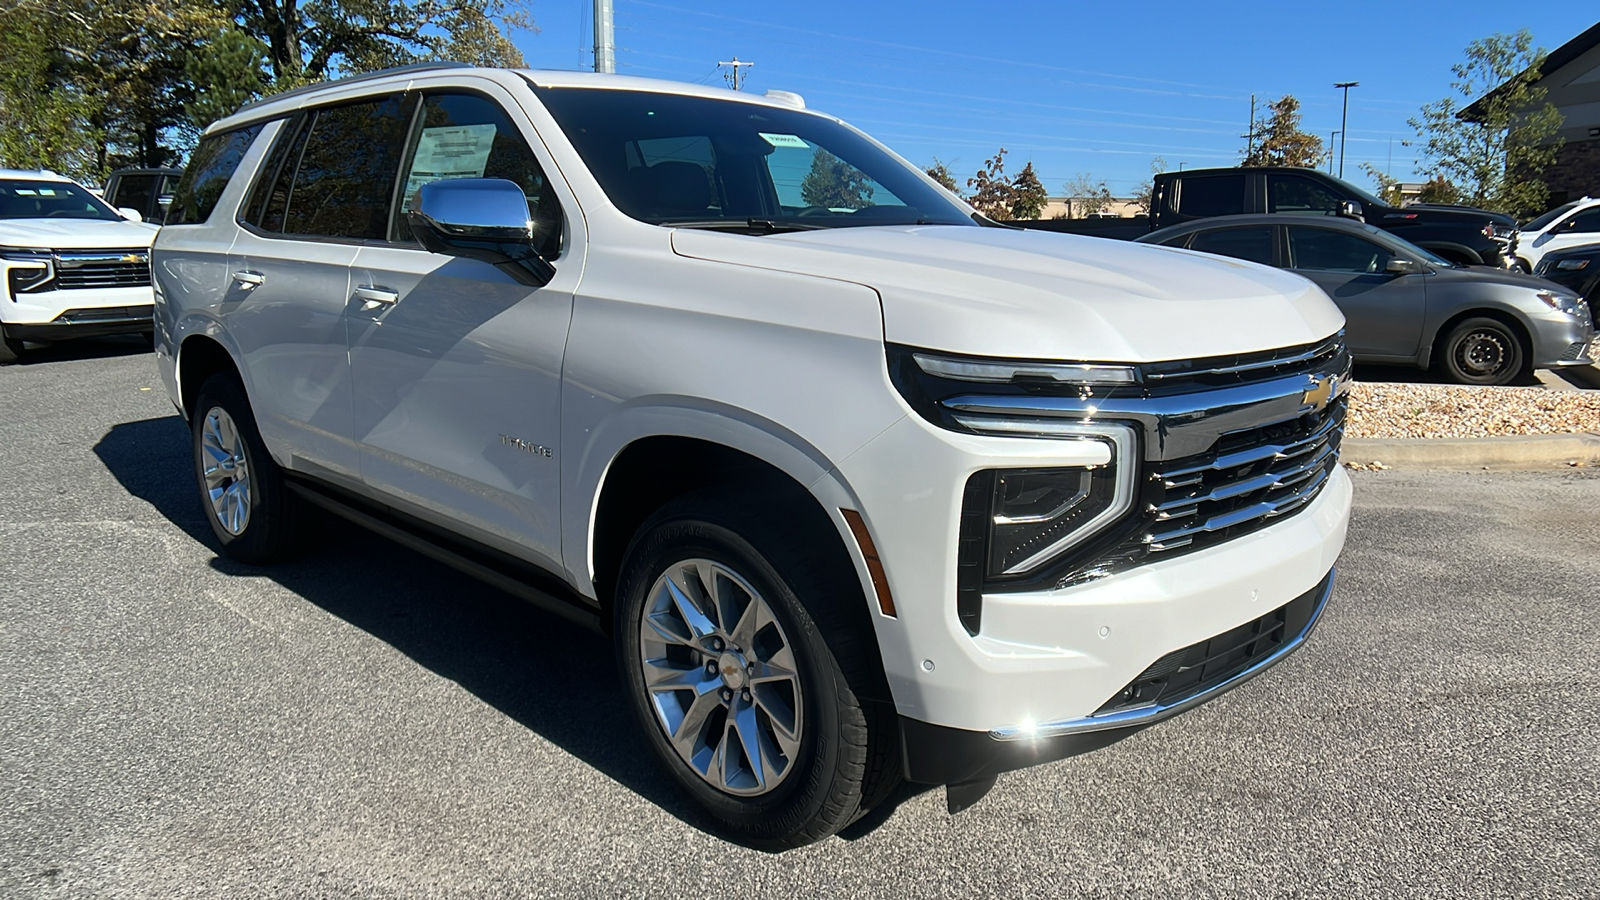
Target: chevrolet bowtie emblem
x,y
1319,394
134,258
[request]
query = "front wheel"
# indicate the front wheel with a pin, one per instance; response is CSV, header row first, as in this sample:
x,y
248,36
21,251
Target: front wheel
x,y
744,665
1482,351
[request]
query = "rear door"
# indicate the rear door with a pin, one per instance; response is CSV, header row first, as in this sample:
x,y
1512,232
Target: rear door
x,y
1383,311
323,190
456,365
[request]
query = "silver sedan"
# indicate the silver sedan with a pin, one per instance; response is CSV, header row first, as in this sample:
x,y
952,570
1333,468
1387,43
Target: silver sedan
x,y
1474,324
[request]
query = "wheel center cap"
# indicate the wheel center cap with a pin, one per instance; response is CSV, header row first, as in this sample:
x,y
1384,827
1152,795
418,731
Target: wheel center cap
x,y
731,665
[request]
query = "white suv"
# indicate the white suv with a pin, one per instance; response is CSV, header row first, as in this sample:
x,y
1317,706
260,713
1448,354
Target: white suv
x,y
70,266
863,487
1568,225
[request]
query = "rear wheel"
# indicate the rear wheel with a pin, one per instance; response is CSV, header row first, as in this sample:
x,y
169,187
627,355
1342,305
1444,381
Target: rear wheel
x,y
749,672
1482,351
251,511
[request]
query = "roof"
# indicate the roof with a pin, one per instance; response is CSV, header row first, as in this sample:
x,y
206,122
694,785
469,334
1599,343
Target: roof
x,y
33,174
1557,58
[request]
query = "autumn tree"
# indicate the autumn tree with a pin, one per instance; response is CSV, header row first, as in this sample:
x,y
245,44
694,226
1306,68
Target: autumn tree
x,y
990,192
1388,187
940,172
1495,149
1028,195
1278,139
835,184
1087,194
1438,189
1145,194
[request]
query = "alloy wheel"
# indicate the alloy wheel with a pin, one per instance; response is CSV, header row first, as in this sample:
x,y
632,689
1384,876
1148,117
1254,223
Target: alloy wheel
x,y
226,470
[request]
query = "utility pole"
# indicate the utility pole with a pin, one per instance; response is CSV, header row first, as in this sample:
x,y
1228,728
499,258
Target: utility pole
x,y
1250,133
605,45
1344,119
733,78
1330,152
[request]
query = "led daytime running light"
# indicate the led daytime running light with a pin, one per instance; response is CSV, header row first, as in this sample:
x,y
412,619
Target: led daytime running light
x,y
1002,372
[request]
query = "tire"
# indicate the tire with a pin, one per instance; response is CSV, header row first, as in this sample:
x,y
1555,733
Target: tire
x,y
1482,351
762,603
251,511
10,348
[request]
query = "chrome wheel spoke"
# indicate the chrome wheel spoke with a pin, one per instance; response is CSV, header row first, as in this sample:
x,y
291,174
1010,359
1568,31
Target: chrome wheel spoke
x,y
225,470
688,733
688,606
743,718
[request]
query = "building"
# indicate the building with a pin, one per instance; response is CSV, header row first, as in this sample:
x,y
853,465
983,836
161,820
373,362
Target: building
x,y
1570,76
1067,208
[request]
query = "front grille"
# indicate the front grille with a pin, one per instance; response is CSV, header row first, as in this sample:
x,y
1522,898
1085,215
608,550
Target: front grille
x,y
1227,371
1199,667
102,269
1575,352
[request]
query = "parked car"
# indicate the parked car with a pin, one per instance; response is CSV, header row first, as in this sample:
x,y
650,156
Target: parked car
x,y
1404,305
1459,234
1568,225
1578,270
147,190
70,265
861,488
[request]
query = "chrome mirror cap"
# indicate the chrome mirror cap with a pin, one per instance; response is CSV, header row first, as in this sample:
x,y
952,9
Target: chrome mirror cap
x,y
484,208
1350,209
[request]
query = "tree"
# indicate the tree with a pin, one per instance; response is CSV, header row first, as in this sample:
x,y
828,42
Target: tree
x,y
835,184
1145,194
1279,140
992,194
1086,194
1495,149
1388,186
1028,195
1439,190
940,172
45,120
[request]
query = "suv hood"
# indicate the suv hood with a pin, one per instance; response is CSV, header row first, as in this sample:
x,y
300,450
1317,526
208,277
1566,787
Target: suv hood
x,y
1031,294
75,234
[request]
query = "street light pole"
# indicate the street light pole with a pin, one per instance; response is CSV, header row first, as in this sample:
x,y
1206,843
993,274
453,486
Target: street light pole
x,y
1344,119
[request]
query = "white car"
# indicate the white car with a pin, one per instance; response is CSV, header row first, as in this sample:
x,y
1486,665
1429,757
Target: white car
x,y
862,486
70,265
1568,225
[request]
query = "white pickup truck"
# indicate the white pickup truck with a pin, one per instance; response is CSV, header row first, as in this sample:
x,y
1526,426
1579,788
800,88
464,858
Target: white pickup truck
x,y
863,486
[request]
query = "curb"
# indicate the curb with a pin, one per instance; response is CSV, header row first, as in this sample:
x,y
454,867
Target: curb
x,y
1531,451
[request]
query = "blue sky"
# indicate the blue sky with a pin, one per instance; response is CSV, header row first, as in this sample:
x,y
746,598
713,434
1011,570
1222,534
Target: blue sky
x,y
1097,88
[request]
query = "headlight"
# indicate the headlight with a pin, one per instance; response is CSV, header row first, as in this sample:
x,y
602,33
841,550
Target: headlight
x,y
1031,516
1563,302
1571,265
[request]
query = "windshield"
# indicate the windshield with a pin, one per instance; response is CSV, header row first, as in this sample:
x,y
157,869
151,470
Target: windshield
x,y
1544,221
1365,198
669,159
25,199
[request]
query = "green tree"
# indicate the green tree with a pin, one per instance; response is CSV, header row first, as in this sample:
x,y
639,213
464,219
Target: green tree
x,y
226,77
835,184
1439,190
1145,194
1028,195
1388,187
940,172
1495,149
1279,140
991,193
46,120
1087,194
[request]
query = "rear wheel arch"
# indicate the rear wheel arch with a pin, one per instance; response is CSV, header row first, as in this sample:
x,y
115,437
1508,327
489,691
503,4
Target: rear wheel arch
x,y
200,357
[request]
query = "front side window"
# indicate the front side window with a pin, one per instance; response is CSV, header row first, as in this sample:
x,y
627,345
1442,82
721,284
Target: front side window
x,y
1297,194
670,159
1253,244
207,174
1200,196
1585,222
347,170
468,136
1326,250
21,198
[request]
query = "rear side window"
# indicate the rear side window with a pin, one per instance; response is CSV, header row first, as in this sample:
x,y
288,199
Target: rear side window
x,y
1211,195
134,192
1297,194
1253,244
468,136
346,172
269,200
1325,250
212,164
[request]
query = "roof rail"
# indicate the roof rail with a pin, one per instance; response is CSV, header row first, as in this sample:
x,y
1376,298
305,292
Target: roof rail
x,y
354,79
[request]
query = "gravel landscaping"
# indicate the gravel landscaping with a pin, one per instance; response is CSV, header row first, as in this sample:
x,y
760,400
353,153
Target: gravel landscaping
x,y
1453,411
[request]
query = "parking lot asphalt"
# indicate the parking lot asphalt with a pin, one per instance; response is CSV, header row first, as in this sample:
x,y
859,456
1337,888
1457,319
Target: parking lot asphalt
x,y
366,723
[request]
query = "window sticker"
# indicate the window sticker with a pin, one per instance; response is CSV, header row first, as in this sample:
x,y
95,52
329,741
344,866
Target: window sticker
x,y
454,151
784,140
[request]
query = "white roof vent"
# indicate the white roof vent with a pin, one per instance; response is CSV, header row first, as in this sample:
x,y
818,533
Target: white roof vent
x,y
787,98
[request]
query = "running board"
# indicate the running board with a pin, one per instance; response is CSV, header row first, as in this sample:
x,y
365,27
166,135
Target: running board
x,y
568,609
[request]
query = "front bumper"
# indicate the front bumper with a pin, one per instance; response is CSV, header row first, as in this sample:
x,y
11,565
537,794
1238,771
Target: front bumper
x,y
1562,340
90,322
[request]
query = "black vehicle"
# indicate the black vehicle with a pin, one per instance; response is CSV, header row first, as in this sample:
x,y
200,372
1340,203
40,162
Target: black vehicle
x,y
1458,234
149,191
1576,269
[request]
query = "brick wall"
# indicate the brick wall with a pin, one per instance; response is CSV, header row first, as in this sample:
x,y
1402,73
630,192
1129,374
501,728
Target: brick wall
x,y
1576,171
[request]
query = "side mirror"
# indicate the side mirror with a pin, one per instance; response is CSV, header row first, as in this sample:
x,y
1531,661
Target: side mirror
x,y
129,213
484,219
1400,266
1350,209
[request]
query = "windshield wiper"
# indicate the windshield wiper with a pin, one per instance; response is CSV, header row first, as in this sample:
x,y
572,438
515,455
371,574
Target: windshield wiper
x,y
748,226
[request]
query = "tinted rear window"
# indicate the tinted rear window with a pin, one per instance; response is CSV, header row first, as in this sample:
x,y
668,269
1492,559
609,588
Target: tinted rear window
x,y
347,171
1253,243
212,164
1211,195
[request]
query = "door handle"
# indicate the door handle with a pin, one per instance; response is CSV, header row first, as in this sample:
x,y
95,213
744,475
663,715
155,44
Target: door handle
x,y
372,297
248,280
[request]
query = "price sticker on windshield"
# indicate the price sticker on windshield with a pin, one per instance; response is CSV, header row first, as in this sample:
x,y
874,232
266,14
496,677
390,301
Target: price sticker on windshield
x,y
784,140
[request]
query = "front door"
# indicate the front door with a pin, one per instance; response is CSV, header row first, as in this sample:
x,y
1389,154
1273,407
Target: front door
x,y
456,366
1383,311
